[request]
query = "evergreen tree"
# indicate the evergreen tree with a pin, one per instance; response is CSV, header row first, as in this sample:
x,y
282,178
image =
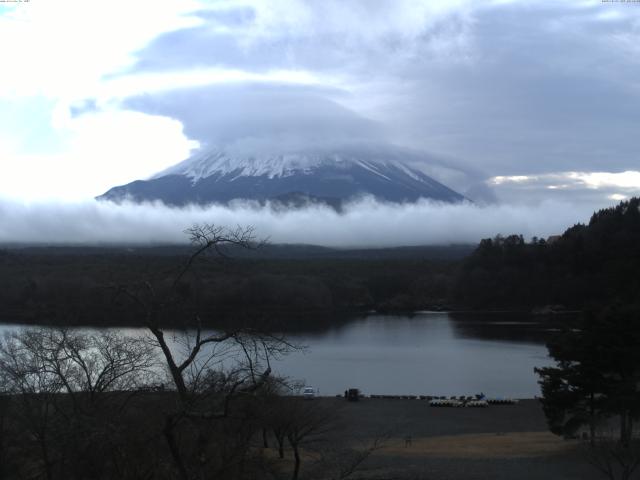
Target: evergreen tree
x,y
573,392
597,262
597,373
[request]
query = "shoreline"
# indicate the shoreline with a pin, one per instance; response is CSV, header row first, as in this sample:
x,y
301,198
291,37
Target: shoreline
x,y
416,398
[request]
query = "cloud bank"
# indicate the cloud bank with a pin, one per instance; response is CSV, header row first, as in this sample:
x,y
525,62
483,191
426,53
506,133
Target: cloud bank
x,y
365,223
501,88
508,88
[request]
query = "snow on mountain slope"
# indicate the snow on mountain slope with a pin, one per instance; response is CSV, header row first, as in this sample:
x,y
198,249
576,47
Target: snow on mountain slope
x,y
326,176
217,162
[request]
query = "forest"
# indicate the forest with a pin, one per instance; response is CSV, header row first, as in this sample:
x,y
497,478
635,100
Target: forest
x,y
588,265
73,286
302,287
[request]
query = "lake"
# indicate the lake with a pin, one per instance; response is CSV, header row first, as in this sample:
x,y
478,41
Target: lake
x,y
428,353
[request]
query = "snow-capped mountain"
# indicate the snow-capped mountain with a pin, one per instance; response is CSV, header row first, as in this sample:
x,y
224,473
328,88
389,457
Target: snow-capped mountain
x,y
330,177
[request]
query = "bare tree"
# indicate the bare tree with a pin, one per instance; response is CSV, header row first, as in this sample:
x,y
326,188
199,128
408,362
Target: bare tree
x,y
79,364
4,436
64,385
315,427
306,422
154,304
275,415
26,380
210,370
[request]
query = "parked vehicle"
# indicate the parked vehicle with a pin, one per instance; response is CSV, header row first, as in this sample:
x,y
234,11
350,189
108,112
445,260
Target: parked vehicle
x,y
308,392
353,395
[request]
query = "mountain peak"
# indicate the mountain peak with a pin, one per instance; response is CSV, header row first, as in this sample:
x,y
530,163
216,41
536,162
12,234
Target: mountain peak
x,y
219,176
219,162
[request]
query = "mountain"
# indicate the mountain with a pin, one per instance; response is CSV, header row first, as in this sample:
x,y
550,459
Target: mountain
x,y
290,179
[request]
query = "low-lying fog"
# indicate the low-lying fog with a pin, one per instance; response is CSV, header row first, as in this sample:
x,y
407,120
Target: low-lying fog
x,y
365,223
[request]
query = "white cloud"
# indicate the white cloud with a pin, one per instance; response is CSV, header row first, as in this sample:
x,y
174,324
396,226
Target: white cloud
x,y
364,224
500,179
357,20
157,82
629,179
62,49
98,150
617,197
57,53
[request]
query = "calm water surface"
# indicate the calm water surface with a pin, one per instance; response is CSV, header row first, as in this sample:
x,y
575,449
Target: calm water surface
x,y
429,353
424,354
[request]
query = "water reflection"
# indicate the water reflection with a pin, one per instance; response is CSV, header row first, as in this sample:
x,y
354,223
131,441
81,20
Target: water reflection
x,y
426,353
506,326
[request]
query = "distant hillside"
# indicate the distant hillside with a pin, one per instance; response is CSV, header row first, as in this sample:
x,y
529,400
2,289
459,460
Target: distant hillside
x,y
295,286
268,251
589,264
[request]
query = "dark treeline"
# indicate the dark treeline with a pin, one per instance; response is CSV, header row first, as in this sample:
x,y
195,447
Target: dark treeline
x,y
266,251
589,265
76,286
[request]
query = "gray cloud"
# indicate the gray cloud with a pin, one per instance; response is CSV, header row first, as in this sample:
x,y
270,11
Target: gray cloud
x,y
364,224
331,35
253,119
225,114
509,89
545,92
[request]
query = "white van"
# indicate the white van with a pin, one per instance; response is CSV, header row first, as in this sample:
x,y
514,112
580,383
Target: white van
x,y
308,392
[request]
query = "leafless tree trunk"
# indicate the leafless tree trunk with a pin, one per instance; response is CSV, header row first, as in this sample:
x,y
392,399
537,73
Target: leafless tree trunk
x,y
169,435
296,456
280,439
213,369
305,421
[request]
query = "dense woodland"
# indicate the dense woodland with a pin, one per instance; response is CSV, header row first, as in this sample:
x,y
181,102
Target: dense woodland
x,y
70,286
587,266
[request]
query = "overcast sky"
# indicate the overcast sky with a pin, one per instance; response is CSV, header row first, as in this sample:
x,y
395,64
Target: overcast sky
x,y
538,101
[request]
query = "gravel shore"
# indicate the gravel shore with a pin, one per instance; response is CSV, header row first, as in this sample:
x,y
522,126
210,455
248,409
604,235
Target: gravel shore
x,y
497,442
